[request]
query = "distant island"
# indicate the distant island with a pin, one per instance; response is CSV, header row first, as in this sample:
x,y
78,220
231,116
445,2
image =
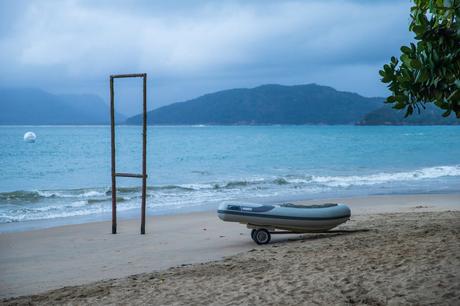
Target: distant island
x,y
30,106
278,104
267,104
262,105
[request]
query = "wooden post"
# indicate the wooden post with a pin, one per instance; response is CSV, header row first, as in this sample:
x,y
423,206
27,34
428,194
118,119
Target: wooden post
x,y
144,155
114,184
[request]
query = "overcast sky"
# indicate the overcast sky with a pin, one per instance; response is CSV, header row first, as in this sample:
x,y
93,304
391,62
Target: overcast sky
x,y
189,48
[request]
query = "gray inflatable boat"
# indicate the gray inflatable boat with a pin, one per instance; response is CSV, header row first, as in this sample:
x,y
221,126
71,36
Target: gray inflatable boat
x,y
292,218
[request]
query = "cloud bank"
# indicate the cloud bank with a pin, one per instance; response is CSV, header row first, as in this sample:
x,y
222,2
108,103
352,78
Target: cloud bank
x,y
187,50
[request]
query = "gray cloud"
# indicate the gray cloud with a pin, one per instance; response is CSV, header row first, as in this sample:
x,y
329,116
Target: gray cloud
x,y
190,48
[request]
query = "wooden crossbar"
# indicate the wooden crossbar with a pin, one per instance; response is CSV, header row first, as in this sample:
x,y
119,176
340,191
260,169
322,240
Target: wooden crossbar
x,y
129,175
132,75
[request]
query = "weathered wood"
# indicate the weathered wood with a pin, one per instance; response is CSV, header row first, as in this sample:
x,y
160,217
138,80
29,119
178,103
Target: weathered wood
x,y
121,174
132,75
144,155
114,182
143,176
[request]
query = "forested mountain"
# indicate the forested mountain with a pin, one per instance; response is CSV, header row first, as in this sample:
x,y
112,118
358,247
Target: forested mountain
x,y
267,104
37,107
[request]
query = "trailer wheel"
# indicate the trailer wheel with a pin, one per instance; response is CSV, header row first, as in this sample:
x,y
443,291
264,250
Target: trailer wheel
x,y
262,236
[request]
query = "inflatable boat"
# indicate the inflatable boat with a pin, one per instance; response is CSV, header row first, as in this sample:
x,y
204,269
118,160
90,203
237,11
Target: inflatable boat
x,y
266,219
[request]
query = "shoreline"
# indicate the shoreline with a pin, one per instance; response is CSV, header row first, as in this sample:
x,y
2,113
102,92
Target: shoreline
x,y
36,261
133,214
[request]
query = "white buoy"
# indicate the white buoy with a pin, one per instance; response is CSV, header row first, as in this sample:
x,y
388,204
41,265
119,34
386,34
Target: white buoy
x,y
30,137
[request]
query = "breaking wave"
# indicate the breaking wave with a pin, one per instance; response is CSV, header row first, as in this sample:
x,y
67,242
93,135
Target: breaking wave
x,y
388,177
25,205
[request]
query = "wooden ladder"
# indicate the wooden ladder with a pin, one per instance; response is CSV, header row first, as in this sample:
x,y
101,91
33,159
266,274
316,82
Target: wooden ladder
x,y
143,176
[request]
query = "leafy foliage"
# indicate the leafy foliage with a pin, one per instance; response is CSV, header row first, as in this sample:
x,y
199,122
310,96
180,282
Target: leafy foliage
x,y
428,71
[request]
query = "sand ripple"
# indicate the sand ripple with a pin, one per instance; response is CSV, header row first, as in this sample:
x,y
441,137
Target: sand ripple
x,y
387,259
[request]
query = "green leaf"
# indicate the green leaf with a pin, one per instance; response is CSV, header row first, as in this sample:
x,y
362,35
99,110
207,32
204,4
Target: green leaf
x,y
386,79
391,99
406,59
447,113
441,104
409,111
416,64
399,105
405,50
418,29
424,74
455,96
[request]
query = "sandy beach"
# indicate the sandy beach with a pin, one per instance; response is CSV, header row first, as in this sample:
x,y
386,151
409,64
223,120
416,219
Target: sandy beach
x,y
399,249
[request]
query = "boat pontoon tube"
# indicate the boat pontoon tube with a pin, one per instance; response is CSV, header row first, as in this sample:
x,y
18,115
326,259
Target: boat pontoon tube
x,y
291,217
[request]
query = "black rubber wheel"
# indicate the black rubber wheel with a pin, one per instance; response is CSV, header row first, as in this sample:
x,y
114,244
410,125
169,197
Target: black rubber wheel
x,y
253,232
262,236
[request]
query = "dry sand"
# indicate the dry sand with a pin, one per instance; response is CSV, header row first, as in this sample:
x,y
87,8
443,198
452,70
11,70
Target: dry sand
x,y
405,251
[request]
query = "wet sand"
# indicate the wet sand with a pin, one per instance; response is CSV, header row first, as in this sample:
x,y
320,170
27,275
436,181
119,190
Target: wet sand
x,y
395,250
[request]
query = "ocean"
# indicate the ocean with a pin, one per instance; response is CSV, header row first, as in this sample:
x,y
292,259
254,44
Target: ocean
x,y
64,177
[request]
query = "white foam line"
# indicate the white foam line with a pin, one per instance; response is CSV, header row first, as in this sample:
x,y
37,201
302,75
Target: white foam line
x,y
386,177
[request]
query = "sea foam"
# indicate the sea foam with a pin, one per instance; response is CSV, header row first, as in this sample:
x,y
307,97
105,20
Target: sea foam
x,y
19,206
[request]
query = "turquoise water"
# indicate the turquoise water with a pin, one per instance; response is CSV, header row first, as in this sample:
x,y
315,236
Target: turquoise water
x,y
65,174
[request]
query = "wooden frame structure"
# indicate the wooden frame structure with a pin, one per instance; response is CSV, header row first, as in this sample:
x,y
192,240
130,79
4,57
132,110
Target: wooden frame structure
x,y
143,176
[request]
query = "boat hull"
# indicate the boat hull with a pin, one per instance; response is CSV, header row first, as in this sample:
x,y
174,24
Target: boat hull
x,y
306,219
